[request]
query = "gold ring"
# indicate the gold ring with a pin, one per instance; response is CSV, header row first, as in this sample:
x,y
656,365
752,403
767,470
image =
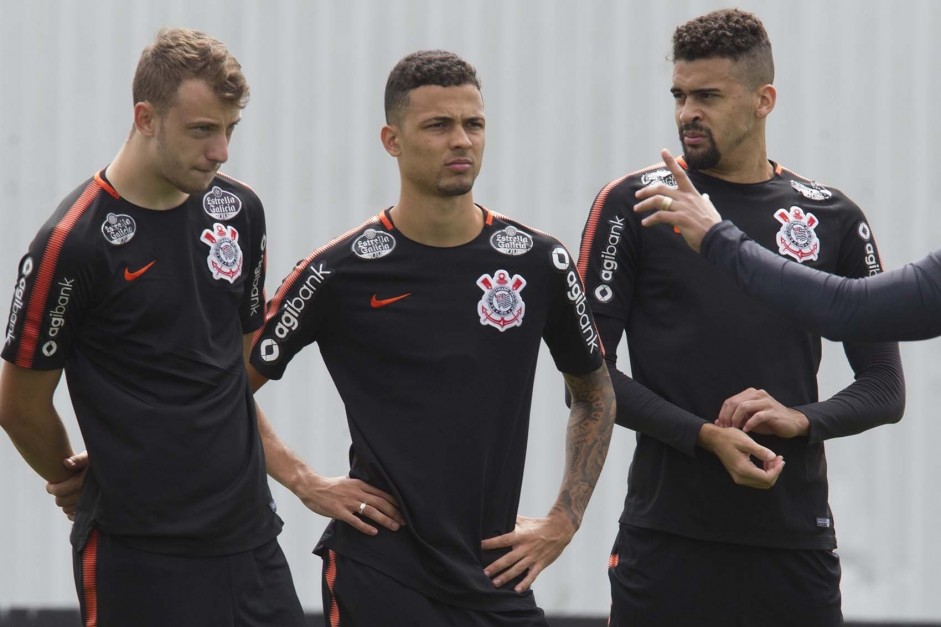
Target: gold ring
x,y
667,201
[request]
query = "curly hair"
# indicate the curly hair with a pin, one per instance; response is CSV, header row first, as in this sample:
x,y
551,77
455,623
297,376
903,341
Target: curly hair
x,y
178,54
425,67
731,34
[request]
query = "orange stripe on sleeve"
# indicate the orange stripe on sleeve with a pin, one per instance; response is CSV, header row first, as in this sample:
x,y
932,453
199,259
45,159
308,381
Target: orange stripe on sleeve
x,y
46,272
591,226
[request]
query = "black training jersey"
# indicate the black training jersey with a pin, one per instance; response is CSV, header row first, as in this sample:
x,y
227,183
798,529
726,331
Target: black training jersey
x,y
433,351
901,304
695,339
146,310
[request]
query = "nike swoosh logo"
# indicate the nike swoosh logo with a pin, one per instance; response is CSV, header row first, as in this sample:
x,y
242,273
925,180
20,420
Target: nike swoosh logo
x,y
130,276
382,302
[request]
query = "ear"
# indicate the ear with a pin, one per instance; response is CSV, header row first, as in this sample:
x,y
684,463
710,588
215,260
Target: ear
x,y
767,97
145,119
390,139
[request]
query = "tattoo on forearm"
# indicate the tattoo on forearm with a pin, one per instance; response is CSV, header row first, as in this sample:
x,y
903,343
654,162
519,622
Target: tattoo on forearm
x,y
591,421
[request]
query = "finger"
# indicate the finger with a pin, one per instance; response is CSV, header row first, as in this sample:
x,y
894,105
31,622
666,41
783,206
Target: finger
x,y
358,523
77,461
743,412
511,573
383,502
529,580
499,542
379,517
498,566
649,191
679,175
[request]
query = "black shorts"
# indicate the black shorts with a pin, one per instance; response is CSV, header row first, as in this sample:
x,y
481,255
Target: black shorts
x,y
665,580
120,586
356,595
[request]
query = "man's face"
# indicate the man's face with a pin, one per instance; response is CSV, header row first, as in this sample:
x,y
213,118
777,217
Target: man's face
x,y
193,136
715,111
440,139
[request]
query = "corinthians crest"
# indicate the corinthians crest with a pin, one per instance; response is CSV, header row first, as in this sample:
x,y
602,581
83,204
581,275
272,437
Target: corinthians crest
x,y
797,237
501,306
225,256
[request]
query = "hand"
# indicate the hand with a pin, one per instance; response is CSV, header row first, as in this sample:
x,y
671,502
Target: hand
x,y
68,491
535,543
340,498
757,411
735,450
683,208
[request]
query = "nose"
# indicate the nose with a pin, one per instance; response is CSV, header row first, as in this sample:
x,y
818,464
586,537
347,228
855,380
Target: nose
x,y
218,149
460,138
687,112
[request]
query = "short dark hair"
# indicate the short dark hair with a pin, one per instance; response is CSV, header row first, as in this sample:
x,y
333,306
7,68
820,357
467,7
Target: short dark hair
x,y
425,67
730,34
178,54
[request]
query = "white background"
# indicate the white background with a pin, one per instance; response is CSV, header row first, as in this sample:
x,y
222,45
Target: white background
x,y
577,94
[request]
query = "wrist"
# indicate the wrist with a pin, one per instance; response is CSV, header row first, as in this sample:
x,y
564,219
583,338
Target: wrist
x,y
708,434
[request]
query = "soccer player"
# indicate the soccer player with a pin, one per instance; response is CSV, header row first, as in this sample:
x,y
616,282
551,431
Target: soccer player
x,y
902,304
145,286
716,529
429,317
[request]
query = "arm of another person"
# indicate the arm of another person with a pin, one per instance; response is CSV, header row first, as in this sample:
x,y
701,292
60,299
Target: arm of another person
x,y
537,542
339,498
902,304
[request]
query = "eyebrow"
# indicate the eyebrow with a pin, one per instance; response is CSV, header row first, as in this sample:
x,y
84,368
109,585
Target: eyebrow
x,y
705,90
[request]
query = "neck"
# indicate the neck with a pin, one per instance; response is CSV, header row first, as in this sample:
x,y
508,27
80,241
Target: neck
x,y
440,222
756,170
133,176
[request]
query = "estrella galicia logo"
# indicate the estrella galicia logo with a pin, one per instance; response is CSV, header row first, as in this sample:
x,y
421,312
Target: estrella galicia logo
x,y
814,191
373,244
658,176
118,228
511,241
221,204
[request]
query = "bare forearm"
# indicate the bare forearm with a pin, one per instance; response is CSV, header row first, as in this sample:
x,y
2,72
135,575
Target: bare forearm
x,y
29,417
283,464
43,442
591,421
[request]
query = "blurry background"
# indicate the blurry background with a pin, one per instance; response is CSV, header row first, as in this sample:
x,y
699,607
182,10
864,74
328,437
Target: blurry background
x,y
577,94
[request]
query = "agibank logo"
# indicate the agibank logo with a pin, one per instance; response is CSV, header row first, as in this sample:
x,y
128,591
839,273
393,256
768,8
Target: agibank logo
x,y
289,316
19,293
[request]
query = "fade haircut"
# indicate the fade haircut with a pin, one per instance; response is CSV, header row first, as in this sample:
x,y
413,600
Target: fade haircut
x,y
729,34
425,67
179,54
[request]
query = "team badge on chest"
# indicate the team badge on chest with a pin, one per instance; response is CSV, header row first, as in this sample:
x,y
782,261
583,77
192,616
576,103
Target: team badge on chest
x,y
501,306
225,256
797,237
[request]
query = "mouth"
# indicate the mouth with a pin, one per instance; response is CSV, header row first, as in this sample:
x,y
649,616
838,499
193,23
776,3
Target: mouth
x,y
459,165
694,136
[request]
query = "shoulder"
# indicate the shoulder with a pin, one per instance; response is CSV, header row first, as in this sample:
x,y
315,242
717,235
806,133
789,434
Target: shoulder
x,y
817,194
368,241
516,239
624,186
86,219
